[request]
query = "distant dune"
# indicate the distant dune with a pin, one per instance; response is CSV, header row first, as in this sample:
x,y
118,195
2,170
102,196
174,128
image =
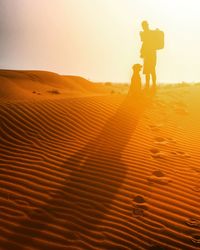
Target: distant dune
x,y
21,83
97,171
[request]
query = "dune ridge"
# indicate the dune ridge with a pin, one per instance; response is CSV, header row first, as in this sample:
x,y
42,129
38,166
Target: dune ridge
x,y
19,85
100,172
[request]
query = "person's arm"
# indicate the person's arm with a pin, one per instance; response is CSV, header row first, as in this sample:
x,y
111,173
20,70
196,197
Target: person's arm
x,y
142,36
142,47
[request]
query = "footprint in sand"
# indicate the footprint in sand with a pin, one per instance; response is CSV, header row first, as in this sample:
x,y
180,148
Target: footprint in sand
x,y
159,177
193,223
156,127
157,154
196,239
37,93
181,154
139,207
196,188
158,173
171,140
161,141
196,169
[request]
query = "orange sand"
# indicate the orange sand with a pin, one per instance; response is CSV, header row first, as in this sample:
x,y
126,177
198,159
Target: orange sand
x,y
83,167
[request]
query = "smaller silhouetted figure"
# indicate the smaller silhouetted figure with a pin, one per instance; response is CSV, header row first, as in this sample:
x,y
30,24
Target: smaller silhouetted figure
x,y
152,40
136,84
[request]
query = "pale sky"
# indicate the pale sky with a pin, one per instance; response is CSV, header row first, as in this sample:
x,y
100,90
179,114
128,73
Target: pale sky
x,y
99,39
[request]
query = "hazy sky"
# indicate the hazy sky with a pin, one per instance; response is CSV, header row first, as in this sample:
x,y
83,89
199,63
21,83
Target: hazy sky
x,y
99,39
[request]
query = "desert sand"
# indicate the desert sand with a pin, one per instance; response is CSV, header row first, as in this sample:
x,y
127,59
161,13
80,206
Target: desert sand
x,y
84,167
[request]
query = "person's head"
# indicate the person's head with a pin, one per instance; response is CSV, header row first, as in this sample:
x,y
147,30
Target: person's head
x,y
137,67
145,25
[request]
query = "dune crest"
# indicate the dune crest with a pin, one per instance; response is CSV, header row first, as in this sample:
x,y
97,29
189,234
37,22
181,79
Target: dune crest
x,y
21,84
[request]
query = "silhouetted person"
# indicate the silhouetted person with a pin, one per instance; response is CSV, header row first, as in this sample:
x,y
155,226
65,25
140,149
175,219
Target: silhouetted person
x,y
136,84
152,40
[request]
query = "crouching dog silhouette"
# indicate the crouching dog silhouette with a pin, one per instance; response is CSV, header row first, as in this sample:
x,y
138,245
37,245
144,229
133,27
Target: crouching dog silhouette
x,y
136,83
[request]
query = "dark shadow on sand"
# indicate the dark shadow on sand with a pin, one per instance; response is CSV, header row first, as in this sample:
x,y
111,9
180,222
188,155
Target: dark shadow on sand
x,y
96,175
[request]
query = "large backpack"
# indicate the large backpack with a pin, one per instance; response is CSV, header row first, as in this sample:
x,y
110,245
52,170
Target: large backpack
x,y
158,39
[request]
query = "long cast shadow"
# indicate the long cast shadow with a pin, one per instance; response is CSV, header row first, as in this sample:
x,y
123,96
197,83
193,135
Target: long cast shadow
x,y
96,175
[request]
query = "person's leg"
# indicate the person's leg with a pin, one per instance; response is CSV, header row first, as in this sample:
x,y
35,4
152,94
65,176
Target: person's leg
x,y
146,71
153,75
147,81
154,78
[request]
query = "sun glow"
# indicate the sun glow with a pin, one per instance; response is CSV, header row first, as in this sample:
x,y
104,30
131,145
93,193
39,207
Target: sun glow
x,y
100,39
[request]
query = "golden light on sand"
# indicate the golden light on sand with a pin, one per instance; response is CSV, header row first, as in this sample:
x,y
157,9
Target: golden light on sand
x,y
99,166
84,167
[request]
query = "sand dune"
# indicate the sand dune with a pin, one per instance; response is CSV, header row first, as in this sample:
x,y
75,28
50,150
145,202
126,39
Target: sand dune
x,y
97,171
21,84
